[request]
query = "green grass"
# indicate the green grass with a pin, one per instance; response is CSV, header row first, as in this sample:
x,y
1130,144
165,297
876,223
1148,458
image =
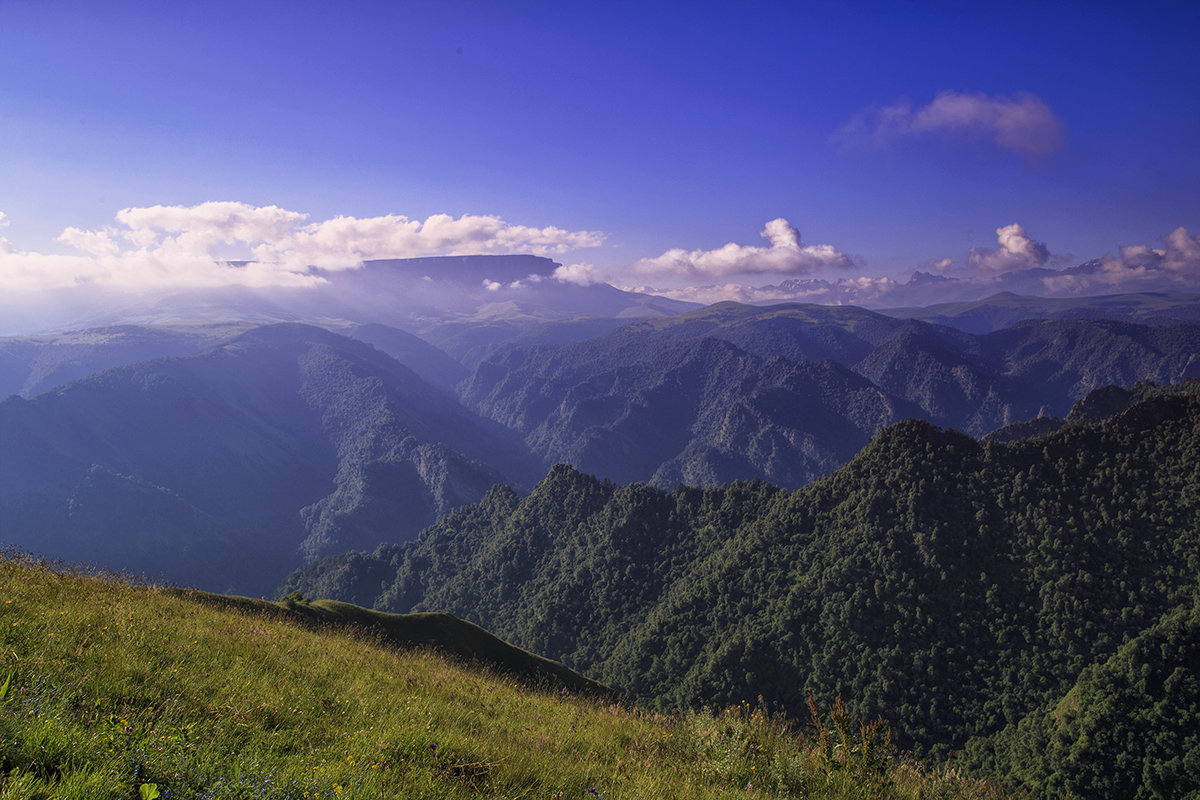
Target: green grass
x,y
126,691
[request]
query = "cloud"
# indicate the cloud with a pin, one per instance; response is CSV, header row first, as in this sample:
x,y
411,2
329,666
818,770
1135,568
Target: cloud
x,y
578,274
1138,267
1021,124
192,246
1016,251
1019,265
786,255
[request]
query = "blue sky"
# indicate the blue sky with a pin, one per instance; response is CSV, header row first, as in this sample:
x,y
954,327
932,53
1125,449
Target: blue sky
x,y
648,136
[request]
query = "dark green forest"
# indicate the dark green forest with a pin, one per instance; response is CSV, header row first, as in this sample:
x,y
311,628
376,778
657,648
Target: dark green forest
x,y
1026,608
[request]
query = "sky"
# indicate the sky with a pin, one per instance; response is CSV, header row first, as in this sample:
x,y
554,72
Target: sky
x,y
704,150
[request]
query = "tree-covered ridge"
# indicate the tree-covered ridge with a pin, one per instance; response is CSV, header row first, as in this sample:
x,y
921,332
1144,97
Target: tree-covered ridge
x,y
1127,728
953,586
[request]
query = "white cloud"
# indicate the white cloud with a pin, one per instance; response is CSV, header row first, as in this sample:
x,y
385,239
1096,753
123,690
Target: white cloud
x,y
192,246
1138,267
579,274
786,255
1022,124
1016,251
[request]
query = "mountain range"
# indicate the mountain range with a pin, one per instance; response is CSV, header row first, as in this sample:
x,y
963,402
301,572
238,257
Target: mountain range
x,y
290,442
218,469
976,520
976,595
788,392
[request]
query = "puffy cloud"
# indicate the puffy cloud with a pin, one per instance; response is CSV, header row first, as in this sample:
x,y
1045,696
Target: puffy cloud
x,y
190,246
1016,251
786,255
579,274
1137,267
1022,124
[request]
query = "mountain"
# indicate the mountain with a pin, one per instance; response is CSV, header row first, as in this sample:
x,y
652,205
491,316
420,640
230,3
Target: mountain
x,y
31,365
433,365
419,295
700,411
224,469
1004,309
951,586
788,392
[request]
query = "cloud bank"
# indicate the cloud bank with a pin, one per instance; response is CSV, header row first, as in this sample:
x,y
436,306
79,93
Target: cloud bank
x,y
1174,266
785,255
1021,124
152,252
230,243
1019,264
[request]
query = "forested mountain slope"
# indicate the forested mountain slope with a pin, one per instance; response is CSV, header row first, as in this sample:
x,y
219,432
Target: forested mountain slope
x,y
699,411
953,587
223,469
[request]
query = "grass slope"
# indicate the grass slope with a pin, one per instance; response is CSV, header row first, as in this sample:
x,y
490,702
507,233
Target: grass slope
x,y
122,691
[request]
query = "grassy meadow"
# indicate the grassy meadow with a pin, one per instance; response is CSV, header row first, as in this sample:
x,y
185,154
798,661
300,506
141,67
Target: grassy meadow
x,y
117,690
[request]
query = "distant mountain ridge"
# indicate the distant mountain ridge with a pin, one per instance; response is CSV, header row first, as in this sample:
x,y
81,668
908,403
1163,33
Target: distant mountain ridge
x,y
221,468
796,389
30,365
1007,308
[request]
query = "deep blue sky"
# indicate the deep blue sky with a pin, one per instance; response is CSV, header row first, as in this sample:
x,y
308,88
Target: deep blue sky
x,y
680,125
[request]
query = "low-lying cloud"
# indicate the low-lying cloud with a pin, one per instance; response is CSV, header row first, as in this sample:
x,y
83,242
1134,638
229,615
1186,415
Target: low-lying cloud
x,y
1019,264
1175,265
785,255
1021,124
1016,250
230,243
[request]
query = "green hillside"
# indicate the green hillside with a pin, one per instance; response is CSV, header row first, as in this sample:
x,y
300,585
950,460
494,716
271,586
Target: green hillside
x,y
112,690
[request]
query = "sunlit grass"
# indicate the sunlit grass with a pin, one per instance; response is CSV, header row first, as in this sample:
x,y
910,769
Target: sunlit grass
x,y
119,691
